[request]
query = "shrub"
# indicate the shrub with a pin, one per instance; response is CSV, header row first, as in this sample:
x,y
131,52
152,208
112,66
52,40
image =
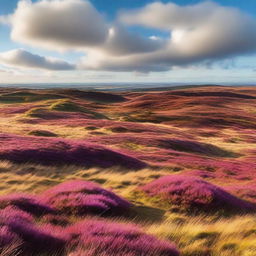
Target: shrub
x,y
14,213
106,238
52,151
83,197
194,194
17,226
39,240
26,203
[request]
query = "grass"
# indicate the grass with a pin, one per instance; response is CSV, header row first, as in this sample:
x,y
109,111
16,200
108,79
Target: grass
x,y
67,106
210,139
217,237
36,112
193,235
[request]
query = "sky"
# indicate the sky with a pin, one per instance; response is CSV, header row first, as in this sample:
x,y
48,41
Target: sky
x,y
128,41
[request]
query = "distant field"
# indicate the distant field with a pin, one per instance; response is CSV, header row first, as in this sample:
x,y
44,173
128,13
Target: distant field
x,y
135,173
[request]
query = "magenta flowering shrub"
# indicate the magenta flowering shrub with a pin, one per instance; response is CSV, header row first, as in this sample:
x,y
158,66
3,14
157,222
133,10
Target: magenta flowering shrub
x,y
38,239
89,237
14,213
8,215
19,227
26,203
201,174
245,191
55,219
52,151
106,238
83,197
192,193
7,237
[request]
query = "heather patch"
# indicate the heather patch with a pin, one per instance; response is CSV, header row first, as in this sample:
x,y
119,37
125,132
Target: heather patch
x,y
83,198
106,238
194,195
51,151
26,203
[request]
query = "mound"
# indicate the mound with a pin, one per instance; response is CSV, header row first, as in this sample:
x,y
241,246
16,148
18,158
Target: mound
x,y
106,238
194,147
11,213
66,105
69,106
26,96
212,94
194,194
18,230
25,203
95,96
83,197
247,192
43,113
53,151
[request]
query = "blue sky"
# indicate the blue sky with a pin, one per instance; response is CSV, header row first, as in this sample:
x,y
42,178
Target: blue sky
x,y
236,67
110,7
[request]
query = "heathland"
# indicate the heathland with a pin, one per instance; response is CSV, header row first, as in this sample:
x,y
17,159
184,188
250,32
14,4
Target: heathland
x,y
136,173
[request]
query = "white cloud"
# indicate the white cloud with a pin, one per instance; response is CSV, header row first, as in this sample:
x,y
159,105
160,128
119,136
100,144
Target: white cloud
x,y
122,42
200,33
22,58
58,24
5,19
205,31
169,16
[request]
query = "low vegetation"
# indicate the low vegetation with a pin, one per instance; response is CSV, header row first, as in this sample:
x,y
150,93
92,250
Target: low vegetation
x,y
130,174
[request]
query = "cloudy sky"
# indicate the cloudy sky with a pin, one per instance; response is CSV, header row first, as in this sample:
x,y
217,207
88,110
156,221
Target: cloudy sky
x,y
76,41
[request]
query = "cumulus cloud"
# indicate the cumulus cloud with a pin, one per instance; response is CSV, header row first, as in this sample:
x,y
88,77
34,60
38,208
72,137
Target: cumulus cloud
x,y
22,58
169,16
58,24
73,25
205,31
201,33
120,41
5,19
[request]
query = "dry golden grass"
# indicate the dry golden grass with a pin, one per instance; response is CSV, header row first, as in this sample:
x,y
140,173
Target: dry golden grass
x,y
194,235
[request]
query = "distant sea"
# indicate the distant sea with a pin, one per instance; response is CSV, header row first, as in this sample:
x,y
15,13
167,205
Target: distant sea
x,y
113,86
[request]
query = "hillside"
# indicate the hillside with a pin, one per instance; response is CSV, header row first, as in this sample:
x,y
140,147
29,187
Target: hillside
x,y
136,173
